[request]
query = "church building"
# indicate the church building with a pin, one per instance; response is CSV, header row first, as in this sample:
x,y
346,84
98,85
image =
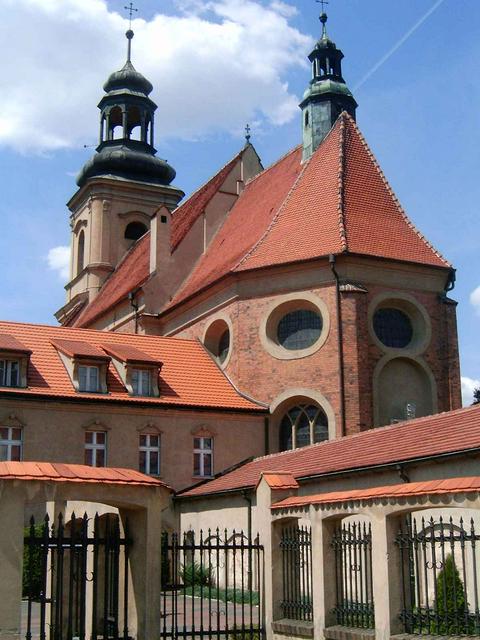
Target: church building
x,y
305,284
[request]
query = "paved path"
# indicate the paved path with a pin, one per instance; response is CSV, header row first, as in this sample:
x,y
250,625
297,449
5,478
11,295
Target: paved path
x,y
35,618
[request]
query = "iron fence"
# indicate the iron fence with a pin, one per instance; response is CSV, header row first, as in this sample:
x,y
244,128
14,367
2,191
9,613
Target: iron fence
x,y
64,565
352,545
440,576
212,585
296,547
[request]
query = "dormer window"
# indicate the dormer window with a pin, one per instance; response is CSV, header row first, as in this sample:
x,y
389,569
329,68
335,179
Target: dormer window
x,y
88,378
138,370
14,358
86,365
141,382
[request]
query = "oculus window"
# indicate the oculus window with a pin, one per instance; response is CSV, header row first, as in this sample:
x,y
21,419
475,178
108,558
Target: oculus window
x,y
218,340
393,327
303,425
299,329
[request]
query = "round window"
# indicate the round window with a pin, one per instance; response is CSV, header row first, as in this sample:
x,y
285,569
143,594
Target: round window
x,y
299,329
393,327
223,346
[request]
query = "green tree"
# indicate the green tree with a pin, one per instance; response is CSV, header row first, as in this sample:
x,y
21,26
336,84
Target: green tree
x,y
32,565
476,396
451,605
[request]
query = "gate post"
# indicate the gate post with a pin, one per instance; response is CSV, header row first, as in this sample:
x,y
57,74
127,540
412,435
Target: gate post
x,y
145,526
324,586
12,506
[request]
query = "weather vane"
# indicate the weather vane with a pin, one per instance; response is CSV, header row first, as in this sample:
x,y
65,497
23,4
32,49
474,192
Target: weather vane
x,y
131,10
247,133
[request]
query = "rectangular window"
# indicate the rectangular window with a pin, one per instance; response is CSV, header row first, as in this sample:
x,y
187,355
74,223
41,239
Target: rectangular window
x,y
10,444
9,373
142,382
96,448
203,457
88,378
149,454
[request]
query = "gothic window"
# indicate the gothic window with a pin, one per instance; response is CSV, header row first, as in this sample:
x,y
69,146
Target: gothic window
x,y
10,444
149,454
80,252
299,329
303,425
393,327
96,448
135,230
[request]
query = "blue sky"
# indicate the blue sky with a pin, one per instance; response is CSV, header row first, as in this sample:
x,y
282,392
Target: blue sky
x,y
217,65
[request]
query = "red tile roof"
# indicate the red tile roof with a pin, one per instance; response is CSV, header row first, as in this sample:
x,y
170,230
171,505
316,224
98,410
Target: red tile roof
x,y
60,472
188,212
434,435
189,376
130,274
79,349
404,490
130,354
9,343
281,480
338,202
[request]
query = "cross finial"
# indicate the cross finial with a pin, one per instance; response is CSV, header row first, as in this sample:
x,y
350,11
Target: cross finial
x,y
323,3
323,17
247,133
131,10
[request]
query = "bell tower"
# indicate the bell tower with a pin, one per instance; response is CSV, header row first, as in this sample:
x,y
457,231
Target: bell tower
x,y
327,94
120,188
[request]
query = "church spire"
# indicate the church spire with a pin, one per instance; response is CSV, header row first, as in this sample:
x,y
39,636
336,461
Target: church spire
x,y
327,94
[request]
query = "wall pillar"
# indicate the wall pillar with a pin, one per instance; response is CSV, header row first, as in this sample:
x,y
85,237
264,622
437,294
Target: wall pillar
x,y
387,576
12,514
324,588
145,527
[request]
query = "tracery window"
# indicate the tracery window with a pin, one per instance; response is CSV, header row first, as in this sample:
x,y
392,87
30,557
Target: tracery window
x,y
299,329
303,425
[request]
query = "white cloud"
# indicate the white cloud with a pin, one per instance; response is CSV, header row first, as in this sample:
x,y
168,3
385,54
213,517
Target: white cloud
x,y
475,299
58,260
468,387
215,68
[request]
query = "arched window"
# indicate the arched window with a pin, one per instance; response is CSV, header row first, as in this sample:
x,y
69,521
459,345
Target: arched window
x,y
135,230
115,124
302,425
80,252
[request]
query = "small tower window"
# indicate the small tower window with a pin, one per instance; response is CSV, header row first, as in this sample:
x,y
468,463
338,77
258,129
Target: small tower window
x,y
135,230
80,252
307,118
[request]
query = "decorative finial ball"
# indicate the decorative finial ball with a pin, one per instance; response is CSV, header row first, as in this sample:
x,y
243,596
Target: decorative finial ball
x,y
323,18
129,34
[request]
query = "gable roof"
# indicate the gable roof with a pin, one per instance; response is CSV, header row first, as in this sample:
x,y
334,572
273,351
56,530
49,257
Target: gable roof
x,y
189,377
443,433
134,268
337,202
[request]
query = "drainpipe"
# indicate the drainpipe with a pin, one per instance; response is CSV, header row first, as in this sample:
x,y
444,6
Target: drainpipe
x,y
134,305
267,435
331,260
449,286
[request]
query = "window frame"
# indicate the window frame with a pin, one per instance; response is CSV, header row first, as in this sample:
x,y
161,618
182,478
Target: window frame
x,y
140,392
94,446
88,368
203,452
6,376
9,442
148,448
294,425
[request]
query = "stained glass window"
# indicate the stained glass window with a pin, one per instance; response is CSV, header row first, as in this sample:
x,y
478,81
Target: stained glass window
x,y
299,329
393,327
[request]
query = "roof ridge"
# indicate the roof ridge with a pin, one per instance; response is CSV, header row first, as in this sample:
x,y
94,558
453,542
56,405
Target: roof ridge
x,y
391,192
341,183
411,423
271,166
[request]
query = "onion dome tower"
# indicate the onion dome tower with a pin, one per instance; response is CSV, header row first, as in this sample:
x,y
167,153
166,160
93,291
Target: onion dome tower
x,y
126,148
327,94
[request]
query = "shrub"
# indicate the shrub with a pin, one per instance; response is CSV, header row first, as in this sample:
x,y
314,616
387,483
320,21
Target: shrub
x,y
32,583
194,574
451,606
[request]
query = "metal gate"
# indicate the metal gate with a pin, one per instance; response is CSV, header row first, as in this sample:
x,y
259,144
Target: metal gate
x,y
76,579
212,586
